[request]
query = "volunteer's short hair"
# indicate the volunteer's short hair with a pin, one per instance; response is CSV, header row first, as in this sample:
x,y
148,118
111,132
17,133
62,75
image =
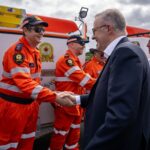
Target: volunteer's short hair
x,y
76,39
32,21
94,50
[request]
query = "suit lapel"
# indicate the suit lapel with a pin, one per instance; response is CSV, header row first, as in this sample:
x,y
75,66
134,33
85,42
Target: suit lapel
x,y
125,39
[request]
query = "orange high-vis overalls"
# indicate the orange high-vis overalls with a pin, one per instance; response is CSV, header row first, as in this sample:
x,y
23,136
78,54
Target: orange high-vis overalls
x,y
94,68
20,95
69,77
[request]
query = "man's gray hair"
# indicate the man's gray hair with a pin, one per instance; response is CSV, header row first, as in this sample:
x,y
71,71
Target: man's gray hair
x,y
114,17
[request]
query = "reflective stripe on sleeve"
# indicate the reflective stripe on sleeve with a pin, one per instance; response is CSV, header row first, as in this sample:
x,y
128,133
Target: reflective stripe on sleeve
x,y
27,136
85,80
8,146
63,79
36,91
20,69
75,126
71,70
8,75
9,87
60,132
71,146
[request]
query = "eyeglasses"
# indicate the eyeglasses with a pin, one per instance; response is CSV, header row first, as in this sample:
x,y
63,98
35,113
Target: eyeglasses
x,y
95,29
38,29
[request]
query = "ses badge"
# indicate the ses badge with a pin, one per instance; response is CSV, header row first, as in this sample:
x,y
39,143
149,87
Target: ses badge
x,y
18,58
70,62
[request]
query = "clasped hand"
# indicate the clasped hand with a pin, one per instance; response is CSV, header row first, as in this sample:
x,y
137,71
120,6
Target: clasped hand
x,y
66,99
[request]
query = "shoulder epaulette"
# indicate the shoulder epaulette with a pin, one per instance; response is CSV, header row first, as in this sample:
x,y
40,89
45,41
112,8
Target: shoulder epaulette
x,y
18,57
66,55
19,47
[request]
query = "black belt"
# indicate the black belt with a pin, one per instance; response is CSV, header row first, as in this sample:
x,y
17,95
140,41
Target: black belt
x,y
16,99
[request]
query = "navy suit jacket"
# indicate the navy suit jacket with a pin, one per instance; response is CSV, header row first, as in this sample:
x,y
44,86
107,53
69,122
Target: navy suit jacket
x,y
118,107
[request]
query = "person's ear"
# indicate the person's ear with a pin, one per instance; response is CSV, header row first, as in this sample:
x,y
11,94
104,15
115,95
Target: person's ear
x,y
24,29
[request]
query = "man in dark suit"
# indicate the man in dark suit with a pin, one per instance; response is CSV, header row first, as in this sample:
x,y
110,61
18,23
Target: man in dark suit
x,y
118,107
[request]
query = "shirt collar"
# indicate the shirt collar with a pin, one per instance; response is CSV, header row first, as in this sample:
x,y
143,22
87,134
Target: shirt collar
x,y
109,49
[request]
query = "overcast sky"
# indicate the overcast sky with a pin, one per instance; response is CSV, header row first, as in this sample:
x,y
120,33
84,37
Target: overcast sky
x,y
136,12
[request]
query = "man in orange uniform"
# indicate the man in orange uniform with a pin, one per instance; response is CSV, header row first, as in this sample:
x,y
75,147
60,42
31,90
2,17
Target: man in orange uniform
x,y
95,65
70,77
20,89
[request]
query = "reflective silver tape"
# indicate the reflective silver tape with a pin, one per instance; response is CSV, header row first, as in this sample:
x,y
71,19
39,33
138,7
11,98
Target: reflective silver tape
x,y
8,146
10,87
71,70
60,132
36,91
71,146
63,79
20,69
8,75
27,136
75,126
85,80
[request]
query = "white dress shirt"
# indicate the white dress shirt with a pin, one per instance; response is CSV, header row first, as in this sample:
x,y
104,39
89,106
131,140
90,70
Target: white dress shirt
x,y
109,49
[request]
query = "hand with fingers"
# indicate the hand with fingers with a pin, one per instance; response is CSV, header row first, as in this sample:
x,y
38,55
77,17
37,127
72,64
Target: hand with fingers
x,y
65,99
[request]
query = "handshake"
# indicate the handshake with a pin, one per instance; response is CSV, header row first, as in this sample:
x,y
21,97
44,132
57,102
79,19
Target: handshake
x,y
66,99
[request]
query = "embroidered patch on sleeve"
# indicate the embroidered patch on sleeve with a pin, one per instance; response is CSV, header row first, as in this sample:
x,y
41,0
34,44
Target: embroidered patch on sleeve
x,y
18,58
70,62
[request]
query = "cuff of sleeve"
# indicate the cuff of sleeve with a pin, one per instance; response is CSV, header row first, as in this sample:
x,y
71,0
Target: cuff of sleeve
x,y
78,101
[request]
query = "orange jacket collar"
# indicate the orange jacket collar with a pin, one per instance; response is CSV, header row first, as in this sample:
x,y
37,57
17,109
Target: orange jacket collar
x,y
72,55
26,44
